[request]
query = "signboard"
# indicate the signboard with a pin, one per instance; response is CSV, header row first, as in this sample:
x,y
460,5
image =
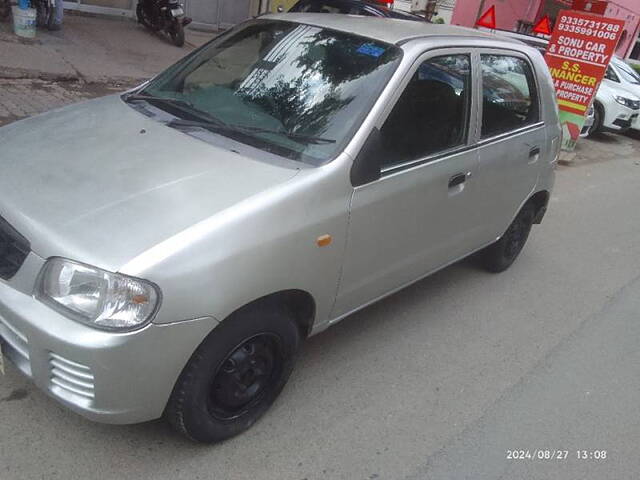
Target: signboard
x,y
488,19
543,26
579,52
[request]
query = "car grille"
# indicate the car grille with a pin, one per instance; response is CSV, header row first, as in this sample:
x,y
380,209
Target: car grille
x,y
635,104
14,249
70,378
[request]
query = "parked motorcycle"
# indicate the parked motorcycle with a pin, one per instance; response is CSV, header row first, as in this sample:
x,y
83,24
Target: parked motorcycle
x,y
164,15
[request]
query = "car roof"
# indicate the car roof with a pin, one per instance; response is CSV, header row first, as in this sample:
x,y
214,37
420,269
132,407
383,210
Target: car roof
x,y
389,30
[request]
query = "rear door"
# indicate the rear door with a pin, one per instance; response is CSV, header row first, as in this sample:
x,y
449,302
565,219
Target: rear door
x,y
422,213
512,137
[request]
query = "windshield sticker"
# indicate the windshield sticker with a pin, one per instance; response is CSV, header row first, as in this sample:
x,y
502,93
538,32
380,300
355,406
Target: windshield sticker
x,y
371,50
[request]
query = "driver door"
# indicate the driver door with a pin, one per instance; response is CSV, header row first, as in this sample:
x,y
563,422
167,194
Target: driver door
x,y
421,214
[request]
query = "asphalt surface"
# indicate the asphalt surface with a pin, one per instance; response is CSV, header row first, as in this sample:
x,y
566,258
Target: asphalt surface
x,y
436,382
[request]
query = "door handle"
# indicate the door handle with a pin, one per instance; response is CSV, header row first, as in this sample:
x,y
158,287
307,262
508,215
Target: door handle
x,y
534,151
457,179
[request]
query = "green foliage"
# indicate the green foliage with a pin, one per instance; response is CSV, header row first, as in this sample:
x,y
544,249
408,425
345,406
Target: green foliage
x,y
439,21
636,66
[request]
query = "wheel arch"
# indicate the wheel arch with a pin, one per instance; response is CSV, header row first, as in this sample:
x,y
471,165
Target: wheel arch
x,y
540,200
299,303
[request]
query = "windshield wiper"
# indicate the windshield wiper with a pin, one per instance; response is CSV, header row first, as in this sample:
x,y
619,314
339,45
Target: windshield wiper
x,y
153,98
218,125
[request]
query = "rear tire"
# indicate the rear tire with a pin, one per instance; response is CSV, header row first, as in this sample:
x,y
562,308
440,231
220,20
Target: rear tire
x,y
235,375
500,255
142,16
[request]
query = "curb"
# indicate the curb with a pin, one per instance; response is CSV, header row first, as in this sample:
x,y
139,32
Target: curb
x,y
24,74
567,158
9,73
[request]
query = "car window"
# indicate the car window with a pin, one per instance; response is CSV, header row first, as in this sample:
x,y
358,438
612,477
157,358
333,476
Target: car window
x,y
432,113
510,99
611,75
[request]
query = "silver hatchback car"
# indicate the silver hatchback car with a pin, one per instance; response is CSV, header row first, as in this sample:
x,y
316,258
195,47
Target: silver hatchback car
x,y
165,251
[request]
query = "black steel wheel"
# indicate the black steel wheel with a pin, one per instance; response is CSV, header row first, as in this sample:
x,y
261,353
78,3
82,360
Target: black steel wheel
x,y
500,255
245,376
235,375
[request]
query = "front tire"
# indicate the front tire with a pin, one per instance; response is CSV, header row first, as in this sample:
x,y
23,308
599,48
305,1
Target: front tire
x,y
500,255
598,119
176,32
235,375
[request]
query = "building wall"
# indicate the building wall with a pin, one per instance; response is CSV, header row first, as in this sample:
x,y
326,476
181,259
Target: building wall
x,y
629,11
443,11
510,12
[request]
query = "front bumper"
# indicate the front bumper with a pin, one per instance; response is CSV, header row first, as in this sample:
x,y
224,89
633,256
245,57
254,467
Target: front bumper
x,y
104,376
619,118
636,123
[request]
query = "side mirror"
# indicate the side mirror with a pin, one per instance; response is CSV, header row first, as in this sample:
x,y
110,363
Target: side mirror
x,y
366,167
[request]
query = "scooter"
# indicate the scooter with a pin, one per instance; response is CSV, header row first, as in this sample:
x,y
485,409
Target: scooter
x,y
163,15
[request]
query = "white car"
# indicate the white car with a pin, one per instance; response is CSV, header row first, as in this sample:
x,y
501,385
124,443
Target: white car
x,y
616,107
623,75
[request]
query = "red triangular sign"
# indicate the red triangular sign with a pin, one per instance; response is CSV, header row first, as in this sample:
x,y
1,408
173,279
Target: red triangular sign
x,y
488,19
543,26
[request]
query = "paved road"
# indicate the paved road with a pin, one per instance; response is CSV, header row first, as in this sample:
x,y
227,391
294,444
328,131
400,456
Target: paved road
x,y
435,382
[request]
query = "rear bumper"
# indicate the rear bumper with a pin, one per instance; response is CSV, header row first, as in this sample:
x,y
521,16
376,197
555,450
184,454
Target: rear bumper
x,y
106,377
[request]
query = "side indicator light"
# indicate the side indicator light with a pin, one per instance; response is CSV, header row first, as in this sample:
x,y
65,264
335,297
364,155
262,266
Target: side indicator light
x,y
140,299
324,240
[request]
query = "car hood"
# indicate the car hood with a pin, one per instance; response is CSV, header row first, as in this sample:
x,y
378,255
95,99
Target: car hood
x,y
634,90
613,89
101,183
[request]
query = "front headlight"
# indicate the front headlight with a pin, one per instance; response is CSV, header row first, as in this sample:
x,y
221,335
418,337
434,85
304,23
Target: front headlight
x,y
96,297
627,102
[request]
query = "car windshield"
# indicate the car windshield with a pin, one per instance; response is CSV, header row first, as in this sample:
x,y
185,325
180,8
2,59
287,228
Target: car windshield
x,y
628,73
294,90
